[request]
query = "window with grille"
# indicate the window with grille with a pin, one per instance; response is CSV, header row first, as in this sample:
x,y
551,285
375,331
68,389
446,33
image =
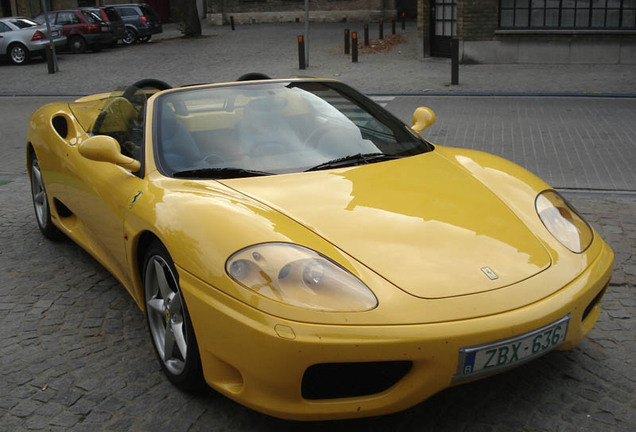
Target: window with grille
x,y
567,14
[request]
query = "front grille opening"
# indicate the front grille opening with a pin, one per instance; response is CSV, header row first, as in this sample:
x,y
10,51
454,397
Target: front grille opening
x,y
342,380
594,302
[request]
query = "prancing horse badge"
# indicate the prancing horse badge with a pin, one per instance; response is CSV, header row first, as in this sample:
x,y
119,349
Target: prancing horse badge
x,y
488,272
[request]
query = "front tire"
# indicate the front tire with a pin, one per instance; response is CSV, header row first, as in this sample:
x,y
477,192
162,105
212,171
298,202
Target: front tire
x,y
41,202
19,54
170,327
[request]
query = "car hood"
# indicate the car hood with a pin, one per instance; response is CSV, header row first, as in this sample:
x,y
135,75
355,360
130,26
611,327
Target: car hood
x,y
422,223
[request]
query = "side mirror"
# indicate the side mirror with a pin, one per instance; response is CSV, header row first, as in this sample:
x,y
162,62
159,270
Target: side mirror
x,y
103,148
423,117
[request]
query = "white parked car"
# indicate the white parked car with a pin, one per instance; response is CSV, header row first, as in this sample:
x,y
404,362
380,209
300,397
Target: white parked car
x,y
21,37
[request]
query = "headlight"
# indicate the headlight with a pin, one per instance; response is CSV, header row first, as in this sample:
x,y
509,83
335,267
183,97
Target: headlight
x,y
563,222
300,277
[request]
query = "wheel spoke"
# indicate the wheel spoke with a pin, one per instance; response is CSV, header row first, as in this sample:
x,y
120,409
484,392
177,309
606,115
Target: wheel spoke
x,y
156,305
39,197
38,176
168,345
178,330
162,282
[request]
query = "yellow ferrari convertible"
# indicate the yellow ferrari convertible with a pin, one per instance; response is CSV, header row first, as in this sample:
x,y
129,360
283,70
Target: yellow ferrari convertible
x,y
302,251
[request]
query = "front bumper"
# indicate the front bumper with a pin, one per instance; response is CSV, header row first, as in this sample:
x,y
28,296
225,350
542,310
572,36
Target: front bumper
x,y
265,362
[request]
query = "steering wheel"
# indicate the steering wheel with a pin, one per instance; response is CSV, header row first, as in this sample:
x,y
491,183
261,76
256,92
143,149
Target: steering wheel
x,y
151,83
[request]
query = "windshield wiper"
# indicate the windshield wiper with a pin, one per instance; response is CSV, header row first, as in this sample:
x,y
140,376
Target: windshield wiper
x,y
220,173
351,160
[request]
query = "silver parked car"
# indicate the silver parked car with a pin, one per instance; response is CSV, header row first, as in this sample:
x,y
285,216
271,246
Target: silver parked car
x,y
21,37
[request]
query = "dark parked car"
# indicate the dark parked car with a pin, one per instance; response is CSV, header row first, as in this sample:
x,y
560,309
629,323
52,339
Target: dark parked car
x,y
141,22
111,17
83,29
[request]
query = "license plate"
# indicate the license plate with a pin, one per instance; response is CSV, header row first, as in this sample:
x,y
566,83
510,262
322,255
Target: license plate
x,y
485,359
55,33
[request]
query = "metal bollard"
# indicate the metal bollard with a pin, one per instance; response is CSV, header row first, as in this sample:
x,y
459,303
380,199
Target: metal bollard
x,y
392,26
403,20
232,23
454,61
347,41
354,47
50,62
301,52
366,35
381,29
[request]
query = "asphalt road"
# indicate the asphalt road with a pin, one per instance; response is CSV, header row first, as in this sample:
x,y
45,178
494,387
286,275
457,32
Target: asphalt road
x,y
75,352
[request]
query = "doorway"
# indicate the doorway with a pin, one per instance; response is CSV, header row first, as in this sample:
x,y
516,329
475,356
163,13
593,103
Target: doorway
x,y
443,26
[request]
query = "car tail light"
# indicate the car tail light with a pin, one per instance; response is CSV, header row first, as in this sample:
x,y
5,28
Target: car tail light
x,y
143,19
93,29
38,35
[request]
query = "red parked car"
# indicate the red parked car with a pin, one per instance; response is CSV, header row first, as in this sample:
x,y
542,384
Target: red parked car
x,y
83,29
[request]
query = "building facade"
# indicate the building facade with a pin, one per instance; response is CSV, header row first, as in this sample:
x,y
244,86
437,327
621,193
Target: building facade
x,y
488,31
530,31
252,11
31,8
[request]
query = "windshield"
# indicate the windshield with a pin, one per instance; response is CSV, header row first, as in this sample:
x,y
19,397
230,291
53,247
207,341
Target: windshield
x,y
274,128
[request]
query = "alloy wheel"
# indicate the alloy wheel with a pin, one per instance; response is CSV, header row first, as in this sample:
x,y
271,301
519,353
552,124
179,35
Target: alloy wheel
x,y
164,306
130,37
18,54
38,192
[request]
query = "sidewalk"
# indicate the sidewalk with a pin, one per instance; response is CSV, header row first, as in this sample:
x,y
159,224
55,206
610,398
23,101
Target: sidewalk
x,y
223,55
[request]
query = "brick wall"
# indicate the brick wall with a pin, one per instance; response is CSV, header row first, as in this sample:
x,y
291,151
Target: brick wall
x,y
252,11
477,19
24,7
227,6
424,27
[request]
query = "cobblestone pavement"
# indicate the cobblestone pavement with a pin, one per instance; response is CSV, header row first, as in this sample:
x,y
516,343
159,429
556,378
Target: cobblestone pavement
x,y
76,355
224,55
574,143
75,352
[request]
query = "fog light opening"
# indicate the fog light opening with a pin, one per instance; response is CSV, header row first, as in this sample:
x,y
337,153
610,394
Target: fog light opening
x,y
593,303
342,380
